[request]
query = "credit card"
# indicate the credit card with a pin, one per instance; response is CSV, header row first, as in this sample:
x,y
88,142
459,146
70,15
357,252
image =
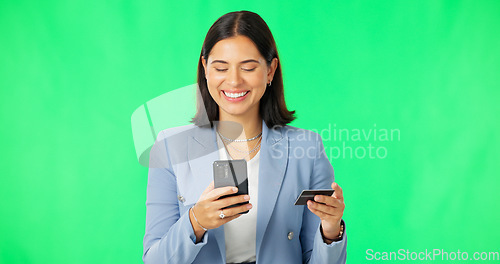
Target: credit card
x,y
307,195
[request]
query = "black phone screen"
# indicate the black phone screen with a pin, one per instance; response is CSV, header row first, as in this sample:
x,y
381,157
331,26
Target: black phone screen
x,y
231,173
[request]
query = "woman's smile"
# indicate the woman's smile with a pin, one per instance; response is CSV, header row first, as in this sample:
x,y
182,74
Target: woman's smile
x,y
235,96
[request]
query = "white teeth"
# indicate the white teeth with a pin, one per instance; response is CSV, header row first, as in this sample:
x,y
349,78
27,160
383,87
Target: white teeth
x,y
235,95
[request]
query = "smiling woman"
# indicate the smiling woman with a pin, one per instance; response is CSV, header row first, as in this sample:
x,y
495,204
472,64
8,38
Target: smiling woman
x,y
190,221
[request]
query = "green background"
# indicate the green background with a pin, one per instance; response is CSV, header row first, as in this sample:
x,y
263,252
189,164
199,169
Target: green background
x,y
72,73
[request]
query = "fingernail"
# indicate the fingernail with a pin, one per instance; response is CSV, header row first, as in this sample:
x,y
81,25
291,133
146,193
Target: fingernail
x,y
317,198
309,203
235,189
249,206
246,197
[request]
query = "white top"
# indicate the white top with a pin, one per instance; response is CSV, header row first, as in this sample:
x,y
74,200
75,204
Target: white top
x,y
240,233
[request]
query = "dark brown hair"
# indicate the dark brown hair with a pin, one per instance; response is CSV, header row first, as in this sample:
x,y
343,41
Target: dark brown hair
x,y
272,107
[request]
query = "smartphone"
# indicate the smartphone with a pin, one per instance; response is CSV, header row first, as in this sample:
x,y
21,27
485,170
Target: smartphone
x,y
231,173
307,195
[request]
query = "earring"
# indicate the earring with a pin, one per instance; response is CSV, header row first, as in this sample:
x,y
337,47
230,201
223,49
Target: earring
x,y
270,84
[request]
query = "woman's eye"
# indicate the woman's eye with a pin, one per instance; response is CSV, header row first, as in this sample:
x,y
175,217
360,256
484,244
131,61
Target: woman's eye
x,y
223,70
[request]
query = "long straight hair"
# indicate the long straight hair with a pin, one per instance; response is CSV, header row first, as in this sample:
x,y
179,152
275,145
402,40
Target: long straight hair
x,y
272,106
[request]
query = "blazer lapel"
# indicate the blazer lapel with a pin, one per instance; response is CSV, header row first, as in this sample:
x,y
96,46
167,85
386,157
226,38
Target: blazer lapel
x,y
202,152
273,162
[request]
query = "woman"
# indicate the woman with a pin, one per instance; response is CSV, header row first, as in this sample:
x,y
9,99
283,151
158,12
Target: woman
x,y
240,82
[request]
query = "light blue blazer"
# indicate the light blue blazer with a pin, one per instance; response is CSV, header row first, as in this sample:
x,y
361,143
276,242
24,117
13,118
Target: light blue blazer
x,y
291,160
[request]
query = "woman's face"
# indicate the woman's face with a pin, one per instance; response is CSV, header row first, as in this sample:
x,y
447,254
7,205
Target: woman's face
x,y
237,76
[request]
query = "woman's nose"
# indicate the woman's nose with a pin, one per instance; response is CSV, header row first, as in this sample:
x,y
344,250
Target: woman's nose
x,y
234,77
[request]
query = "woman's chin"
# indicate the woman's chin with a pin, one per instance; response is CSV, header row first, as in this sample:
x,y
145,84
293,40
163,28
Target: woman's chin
x,y
236,111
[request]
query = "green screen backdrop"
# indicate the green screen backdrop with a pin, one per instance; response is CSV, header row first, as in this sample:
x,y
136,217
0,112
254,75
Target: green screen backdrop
x,y
405,94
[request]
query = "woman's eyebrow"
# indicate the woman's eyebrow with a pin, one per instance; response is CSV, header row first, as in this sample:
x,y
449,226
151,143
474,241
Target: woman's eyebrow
x,y
242,62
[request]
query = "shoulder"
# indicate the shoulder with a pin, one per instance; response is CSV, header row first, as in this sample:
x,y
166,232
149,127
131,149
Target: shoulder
x,y
171,145
179,138
176,138
183,133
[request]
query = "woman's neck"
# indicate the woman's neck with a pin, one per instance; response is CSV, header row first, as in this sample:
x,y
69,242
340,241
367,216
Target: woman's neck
x,y
239,127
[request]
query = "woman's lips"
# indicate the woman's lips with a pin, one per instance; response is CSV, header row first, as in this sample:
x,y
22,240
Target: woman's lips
x,y
235,96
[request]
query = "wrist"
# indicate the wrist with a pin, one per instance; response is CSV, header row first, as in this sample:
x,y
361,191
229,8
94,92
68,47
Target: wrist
x,y
333,235
197,228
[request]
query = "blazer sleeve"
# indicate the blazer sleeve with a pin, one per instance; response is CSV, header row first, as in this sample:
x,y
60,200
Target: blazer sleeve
x,y
314,249
169,237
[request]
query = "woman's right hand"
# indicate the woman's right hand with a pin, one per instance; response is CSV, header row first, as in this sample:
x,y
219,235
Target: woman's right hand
x,y
209,206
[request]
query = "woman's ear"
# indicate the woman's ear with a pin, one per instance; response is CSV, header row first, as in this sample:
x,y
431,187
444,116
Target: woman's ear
x,y
272,69
204,62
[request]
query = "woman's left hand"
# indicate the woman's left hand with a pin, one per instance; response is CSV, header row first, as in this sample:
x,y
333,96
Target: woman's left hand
x,y
330,210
